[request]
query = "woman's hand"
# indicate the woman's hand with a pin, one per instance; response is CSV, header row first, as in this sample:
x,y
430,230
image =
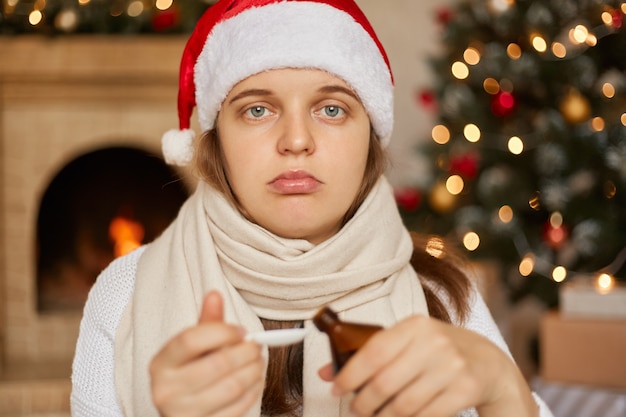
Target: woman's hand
x,y
424,367
208,369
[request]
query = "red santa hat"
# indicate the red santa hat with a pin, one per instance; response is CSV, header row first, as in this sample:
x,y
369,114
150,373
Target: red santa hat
x,y
235,39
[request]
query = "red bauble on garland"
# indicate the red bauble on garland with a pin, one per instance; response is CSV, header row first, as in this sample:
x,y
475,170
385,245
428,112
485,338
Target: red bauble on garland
x,y
164,20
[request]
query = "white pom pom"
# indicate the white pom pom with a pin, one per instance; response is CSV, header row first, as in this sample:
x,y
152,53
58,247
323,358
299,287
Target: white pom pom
x,y
177,146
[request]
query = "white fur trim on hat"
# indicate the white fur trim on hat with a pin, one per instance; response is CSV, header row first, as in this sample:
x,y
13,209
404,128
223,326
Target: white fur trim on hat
x,y
294,34
177,146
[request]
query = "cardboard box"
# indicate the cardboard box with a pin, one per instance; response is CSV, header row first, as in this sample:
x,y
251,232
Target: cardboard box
x,y
586,351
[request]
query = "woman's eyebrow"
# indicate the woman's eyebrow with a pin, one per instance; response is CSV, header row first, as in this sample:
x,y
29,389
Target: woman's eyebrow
x,y
339,89
248,93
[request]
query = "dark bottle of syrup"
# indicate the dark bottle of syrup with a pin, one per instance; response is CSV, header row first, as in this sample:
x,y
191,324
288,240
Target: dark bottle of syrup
x,y
345,337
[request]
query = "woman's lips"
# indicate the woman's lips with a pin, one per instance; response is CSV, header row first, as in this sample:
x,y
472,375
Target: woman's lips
x,y
295,182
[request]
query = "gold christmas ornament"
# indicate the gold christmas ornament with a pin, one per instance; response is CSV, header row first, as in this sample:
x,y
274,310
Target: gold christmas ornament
x,y
575,107
440,199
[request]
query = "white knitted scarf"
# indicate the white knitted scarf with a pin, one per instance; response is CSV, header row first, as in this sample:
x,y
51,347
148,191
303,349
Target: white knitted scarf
x,y
363,272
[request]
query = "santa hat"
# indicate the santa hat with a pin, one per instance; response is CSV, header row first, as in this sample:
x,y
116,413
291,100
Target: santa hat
x,y
235,39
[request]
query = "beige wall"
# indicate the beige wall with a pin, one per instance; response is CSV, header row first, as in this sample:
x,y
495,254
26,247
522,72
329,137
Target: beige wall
x,y
409,32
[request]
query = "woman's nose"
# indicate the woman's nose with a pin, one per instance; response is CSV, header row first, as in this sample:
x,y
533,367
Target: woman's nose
x,y
296,135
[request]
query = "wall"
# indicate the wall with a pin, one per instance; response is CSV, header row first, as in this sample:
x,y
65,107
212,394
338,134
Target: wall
x,y
409,32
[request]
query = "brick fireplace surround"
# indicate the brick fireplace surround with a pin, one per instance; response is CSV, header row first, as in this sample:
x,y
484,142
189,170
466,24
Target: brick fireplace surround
x,y
60,98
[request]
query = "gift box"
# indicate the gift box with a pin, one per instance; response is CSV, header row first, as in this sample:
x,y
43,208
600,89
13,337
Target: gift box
x,y
584,299
581,350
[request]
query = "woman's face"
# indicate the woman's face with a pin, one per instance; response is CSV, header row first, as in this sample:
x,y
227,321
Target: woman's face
x,y
295,143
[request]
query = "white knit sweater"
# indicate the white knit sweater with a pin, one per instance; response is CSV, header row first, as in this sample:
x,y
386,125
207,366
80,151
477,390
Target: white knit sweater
x,y
93,384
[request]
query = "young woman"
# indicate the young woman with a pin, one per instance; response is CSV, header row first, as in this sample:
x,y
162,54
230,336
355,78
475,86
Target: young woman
x,y
292,212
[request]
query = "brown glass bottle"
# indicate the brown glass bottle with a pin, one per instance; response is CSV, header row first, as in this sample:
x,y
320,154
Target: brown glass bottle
x,y
345,337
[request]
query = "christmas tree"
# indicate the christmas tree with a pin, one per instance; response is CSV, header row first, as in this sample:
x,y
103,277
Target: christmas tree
x,y
529,147
61,17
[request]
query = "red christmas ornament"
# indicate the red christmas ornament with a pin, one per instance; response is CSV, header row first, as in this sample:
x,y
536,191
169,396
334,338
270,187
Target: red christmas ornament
x,y
465,165
555,237
426,99
503,104
163,20
407,198
618,18
444,15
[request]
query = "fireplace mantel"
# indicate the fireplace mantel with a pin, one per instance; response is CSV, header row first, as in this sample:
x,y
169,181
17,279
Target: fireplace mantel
x,y
59,98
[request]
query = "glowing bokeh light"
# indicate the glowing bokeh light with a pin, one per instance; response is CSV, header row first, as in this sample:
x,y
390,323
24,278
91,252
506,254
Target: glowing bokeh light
x,y
559,274
491,86
514,51
604,283
597,124
471,56
440,134
35,17
516,145
163,4
505,214
455,184
460,70
471,241
471,133
527,265
559,50
539,43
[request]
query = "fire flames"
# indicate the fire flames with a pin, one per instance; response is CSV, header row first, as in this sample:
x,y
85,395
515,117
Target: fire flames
x,y
126,235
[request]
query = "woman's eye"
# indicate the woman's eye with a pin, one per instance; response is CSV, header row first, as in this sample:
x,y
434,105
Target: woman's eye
x,y
333,111
257,111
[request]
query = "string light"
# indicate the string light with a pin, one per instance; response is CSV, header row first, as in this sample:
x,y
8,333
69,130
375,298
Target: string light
x,y
527,265
608,90
35,17
455,184
471,241
539,43
591,40
505,214
623,119
559,274
597,124
163,4
516,145
460,70
491,86
471,133
471,56
514,51
604,283
135,8
578,34
559,50
440,134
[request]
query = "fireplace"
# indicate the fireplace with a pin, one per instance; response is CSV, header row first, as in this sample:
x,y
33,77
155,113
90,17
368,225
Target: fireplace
x,y
101,205
80,173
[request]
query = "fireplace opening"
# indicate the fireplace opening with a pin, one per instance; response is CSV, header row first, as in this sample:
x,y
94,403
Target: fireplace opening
x,y
99,206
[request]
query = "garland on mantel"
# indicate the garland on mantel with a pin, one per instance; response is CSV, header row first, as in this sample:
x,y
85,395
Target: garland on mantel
x,y
62,17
